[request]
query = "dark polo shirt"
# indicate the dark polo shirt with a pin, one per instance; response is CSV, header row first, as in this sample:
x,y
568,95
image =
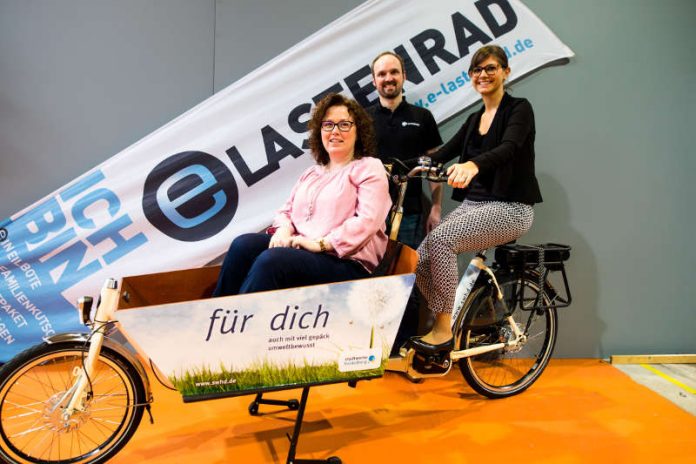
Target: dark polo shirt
x,y
406,133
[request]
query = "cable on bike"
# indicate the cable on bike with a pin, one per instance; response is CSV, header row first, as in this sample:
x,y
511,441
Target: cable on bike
x,y
401,163
154,371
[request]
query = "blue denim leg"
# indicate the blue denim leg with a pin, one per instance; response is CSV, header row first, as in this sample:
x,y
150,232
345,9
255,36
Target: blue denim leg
x,y
278,268
412,230
240,257
250,266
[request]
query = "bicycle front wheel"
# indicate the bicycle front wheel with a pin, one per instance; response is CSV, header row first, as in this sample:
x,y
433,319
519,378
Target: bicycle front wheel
x,y
32,399
510,370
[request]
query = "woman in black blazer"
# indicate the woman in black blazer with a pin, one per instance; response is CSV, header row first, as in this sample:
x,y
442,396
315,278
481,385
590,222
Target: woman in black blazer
x,y
494,178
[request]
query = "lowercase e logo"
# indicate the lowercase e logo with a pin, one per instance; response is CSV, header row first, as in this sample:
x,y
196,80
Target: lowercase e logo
x,y
190,196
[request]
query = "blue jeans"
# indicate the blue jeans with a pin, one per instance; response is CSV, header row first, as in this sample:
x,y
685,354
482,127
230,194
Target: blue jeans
x,y
250,266
411,233
412,230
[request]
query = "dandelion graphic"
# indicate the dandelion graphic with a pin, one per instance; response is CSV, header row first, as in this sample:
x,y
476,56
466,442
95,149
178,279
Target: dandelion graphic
x,y
373,303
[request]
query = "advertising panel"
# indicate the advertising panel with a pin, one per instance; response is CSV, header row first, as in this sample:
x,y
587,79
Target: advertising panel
x,y
284,338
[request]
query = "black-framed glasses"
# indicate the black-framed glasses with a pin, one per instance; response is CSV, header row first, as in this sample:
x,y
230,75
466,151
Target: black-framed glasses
x,y
343,126
490,70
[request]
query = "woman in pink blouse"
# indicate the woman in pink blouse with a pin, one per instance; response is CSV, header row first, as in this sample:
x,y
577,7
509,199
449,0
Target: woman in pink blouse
x,y
332,227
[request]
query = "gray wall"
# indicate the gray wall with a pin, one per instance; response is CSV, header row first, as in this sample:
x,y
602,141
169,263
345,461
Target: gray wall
x,y
81,80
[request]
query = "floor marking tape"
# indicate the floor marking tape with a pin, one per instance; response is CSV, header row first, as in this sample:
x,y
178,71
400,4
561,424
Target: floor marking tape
x,y
670,379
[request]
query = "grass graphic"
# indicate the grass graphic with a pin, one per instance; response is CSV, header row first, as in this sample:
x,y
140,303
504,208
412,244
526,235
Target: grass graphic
x,y
204,380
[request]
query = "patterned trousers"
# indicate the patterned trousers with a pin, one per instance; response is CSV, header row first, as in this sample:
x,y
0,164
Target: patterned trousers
x,y
472,226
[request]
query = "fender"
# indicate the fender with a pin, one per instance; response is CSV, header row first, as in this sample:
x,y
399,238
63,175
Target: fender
x,y
112,346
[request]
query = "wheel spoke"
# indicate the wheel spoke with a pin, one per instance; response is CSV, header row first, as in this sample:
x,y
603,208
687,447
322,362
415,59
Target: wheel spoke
x,y
30,431
24,406
39,443
100,421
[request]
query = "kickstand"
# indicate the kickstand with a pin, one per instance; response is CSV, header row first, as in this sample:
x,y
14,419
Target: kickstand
x,y
300,407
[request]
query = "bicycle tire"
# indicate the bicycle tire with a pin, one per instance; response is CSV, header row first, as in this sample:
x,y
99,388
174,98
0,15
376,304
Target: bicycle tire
x,y
507,371
31,385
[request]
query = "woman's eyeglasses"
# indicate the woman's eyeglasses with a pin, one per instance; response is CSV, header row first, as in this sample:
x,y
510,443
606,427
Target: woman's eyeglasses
x,y
490,70
343,126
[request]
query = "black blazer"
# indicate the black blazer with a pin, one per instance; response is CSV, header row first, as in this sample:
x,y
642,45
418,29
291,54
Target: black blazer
x,y
506,162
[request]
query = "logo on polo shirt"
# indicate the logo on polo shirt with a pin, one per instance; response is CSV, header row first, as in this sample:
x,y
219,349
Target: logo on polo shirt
x,y
405,123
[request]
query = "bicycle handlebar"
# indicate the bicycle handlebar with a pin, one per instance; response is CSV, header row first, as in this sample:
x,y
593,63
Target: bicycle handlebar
x,y
424,170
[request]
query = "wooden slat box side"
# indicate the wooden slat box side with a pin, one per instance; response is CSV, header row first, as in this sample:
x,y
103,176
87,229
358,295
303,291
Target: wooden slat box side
x,y
168,287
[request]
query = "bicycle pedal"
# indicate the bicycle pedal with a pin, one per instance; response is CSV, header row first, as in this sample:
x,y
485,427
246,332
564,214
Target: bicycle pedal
x,y
431,364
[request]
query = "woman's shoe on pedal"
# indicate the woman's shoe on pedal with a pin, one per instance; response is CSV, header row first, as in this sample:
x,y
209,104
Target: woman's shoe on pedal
x,y
421,346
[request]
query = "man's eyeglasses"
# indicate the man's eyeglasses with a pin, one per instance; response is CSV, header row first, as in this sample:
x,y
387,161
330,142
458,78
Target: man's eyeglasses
x,y
490,70
343,126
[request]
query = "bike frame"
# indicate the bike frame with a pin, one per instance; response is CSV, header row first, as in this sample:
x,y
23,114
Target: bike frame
x,y
466,285
477,265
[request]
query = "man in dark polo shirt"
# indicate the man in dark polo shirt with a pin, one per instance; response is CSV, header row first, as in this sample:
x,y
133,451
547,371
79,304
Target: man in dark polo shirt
x,y
405,131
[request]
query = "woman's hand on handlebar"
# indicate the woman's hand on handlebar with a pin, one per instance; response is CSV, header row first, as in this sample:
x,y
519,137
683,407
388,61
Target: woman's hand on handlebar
x,y
461,174
281,238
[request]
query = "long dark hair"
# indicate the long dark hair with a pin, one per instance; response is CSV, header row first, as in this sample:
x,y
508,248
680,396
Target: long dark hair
x,y
365,144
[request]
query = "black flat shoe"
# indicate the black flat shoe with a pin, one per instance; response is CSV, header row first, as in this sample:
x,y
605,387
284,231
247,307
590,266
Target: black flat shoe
x,y
419,345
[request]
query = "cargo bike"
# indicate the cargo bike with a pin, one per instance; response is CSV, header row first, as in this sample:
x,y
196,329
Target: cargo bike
x,y
79,397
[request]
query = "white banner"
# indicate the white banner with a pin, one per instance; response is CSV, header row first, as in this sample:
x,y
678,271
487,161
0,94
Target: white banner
x,y
176,198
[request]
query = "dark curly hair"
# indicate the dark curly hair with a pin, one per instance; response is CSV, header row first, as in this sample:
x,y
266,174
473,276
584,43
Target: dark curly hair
x,y
365,144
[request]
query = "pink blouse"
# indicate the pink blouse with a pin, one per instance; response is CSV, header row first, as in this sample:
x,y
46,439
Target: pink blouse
x,y
347,207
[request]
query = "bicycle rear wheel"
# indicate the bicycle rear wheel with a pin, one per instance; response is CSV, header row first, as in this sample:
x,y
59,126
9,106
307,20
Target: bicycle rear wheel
x,y
510,370
32,393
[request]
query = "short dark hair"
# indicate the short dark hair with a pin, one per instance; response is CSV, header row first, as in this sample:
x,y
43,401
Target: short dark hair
x,y
388,52
483,53
365,144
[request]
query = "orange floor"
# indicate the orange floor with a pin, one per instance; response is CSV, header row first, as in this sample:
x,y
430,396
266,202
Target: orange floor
x,y
580,411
